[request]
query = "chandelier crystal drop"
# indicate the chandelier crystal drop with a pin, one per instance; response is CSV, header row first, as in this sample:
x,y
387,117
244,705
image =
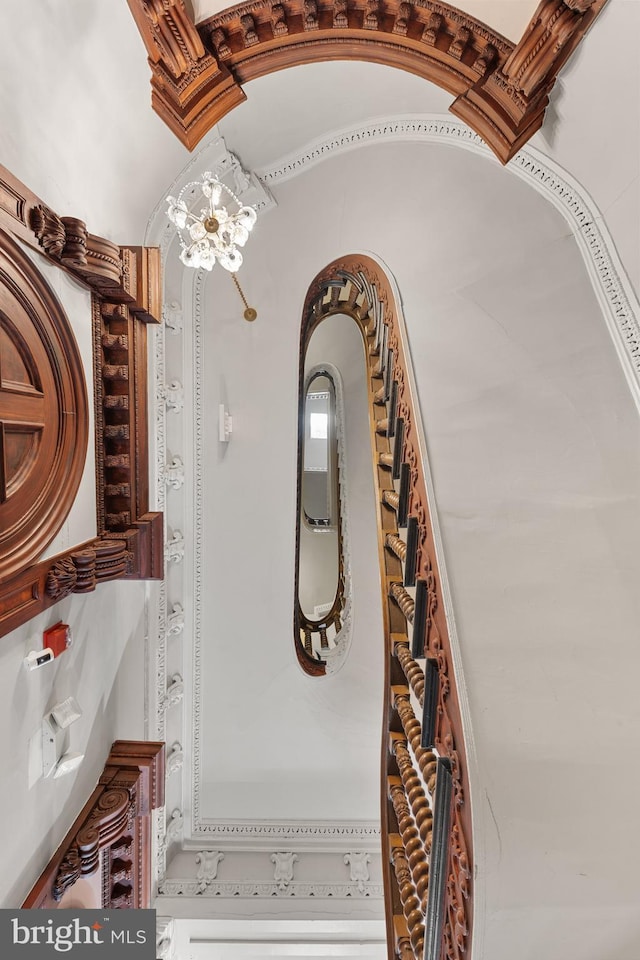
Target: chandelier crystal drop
x,y
213,234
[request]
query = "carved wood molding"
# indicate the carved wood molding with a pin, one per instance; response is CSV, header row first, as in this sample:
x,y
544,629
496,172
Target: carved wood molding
x,y
190,89
122,274
126,286
43,411
113,830
501,90
508,106
121,419
365,294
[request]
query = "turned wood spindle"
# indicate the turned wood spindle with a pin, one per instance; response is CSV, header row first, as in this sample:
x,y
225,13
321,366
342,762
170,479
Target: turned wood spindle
x,y
403,599
413,846
420,806
408,895
411,668
397,546
427,760
391,498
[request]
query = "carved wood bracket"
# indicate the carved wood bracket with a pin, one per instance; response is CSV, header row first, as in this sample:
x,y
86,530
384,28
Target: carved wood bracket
x,y
112,829
501,90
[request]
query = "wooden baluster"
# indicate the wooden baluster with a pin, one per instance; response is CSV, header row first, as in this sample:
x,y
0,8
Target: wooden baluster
x,y
410,667
379,397
391,498
397,546
403,599
324,643
382,426
386,460
404,950
412,784
411,841
408,896
308,643
411,725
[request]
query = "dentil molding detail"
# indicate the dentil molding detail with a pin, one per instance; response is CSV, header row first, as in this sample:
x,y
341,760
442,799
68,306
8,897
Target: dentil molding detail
x,y
295,888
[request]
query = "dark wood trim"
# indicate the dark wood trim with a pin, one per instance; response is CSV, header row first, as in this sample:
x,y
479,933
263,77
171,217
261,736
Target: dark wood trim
x,y
126,288
501,89
46,411
113,828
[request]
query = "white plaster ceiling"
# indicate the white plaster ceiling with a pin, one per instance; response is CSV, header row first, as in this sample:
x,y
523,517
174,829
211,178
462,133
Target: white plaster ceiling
x,y
508,17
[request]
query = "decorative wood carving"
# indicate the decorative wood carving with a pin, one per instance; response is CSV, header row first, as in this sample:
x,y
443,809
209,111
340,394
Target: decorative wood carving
x,y
111,833
364,292
507,106
501,90
190,89
43,412
43,408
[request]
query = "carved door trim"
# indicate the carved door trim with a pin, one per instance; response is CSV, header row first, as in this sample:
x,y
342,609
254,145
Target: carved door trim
x,y
43,412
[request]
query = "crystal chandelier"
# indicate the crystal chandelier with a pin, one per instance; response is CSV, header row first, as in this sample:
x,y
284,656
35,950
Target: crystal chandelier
x,y
213,235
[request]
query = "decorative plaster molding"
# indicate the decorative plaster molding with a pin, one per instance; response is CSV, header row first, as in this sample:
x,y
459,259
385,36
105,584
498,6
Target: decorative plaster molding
x,y
173,473
359,863
299,830
173,396
165,943
207,862
175,620
174,828
174,547
283,870
174,693
297,889
174,759
615,294
198,539
225,165
172,317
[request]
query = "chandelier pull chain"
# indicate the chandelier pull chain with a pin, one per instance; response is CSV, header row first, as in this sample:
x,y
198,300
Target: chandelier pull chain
x,y
250,313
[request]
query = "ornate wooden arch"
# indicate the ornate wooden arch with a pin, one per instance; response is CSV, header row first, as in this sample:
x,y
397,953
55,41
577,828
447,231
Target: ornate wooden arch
x,y
501,89
416,629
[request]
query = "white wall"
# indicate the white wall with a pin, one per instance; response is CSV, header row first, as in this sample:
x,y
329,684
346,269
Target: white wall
x,y
77,126
108,637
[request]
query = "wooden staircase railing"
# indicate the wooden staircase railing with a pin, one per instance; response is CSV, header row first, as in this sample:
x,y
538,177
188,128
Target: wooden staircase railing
x,y
426,815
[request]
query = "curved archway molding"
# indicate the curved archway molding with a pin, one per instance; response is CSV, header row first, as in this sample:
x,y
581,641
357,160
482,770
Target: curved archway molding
x,y
501,89
616,296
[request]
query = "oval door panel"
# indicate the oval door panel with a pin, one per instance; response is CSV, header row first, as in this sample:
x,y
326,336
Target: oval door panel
x,y
43,412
